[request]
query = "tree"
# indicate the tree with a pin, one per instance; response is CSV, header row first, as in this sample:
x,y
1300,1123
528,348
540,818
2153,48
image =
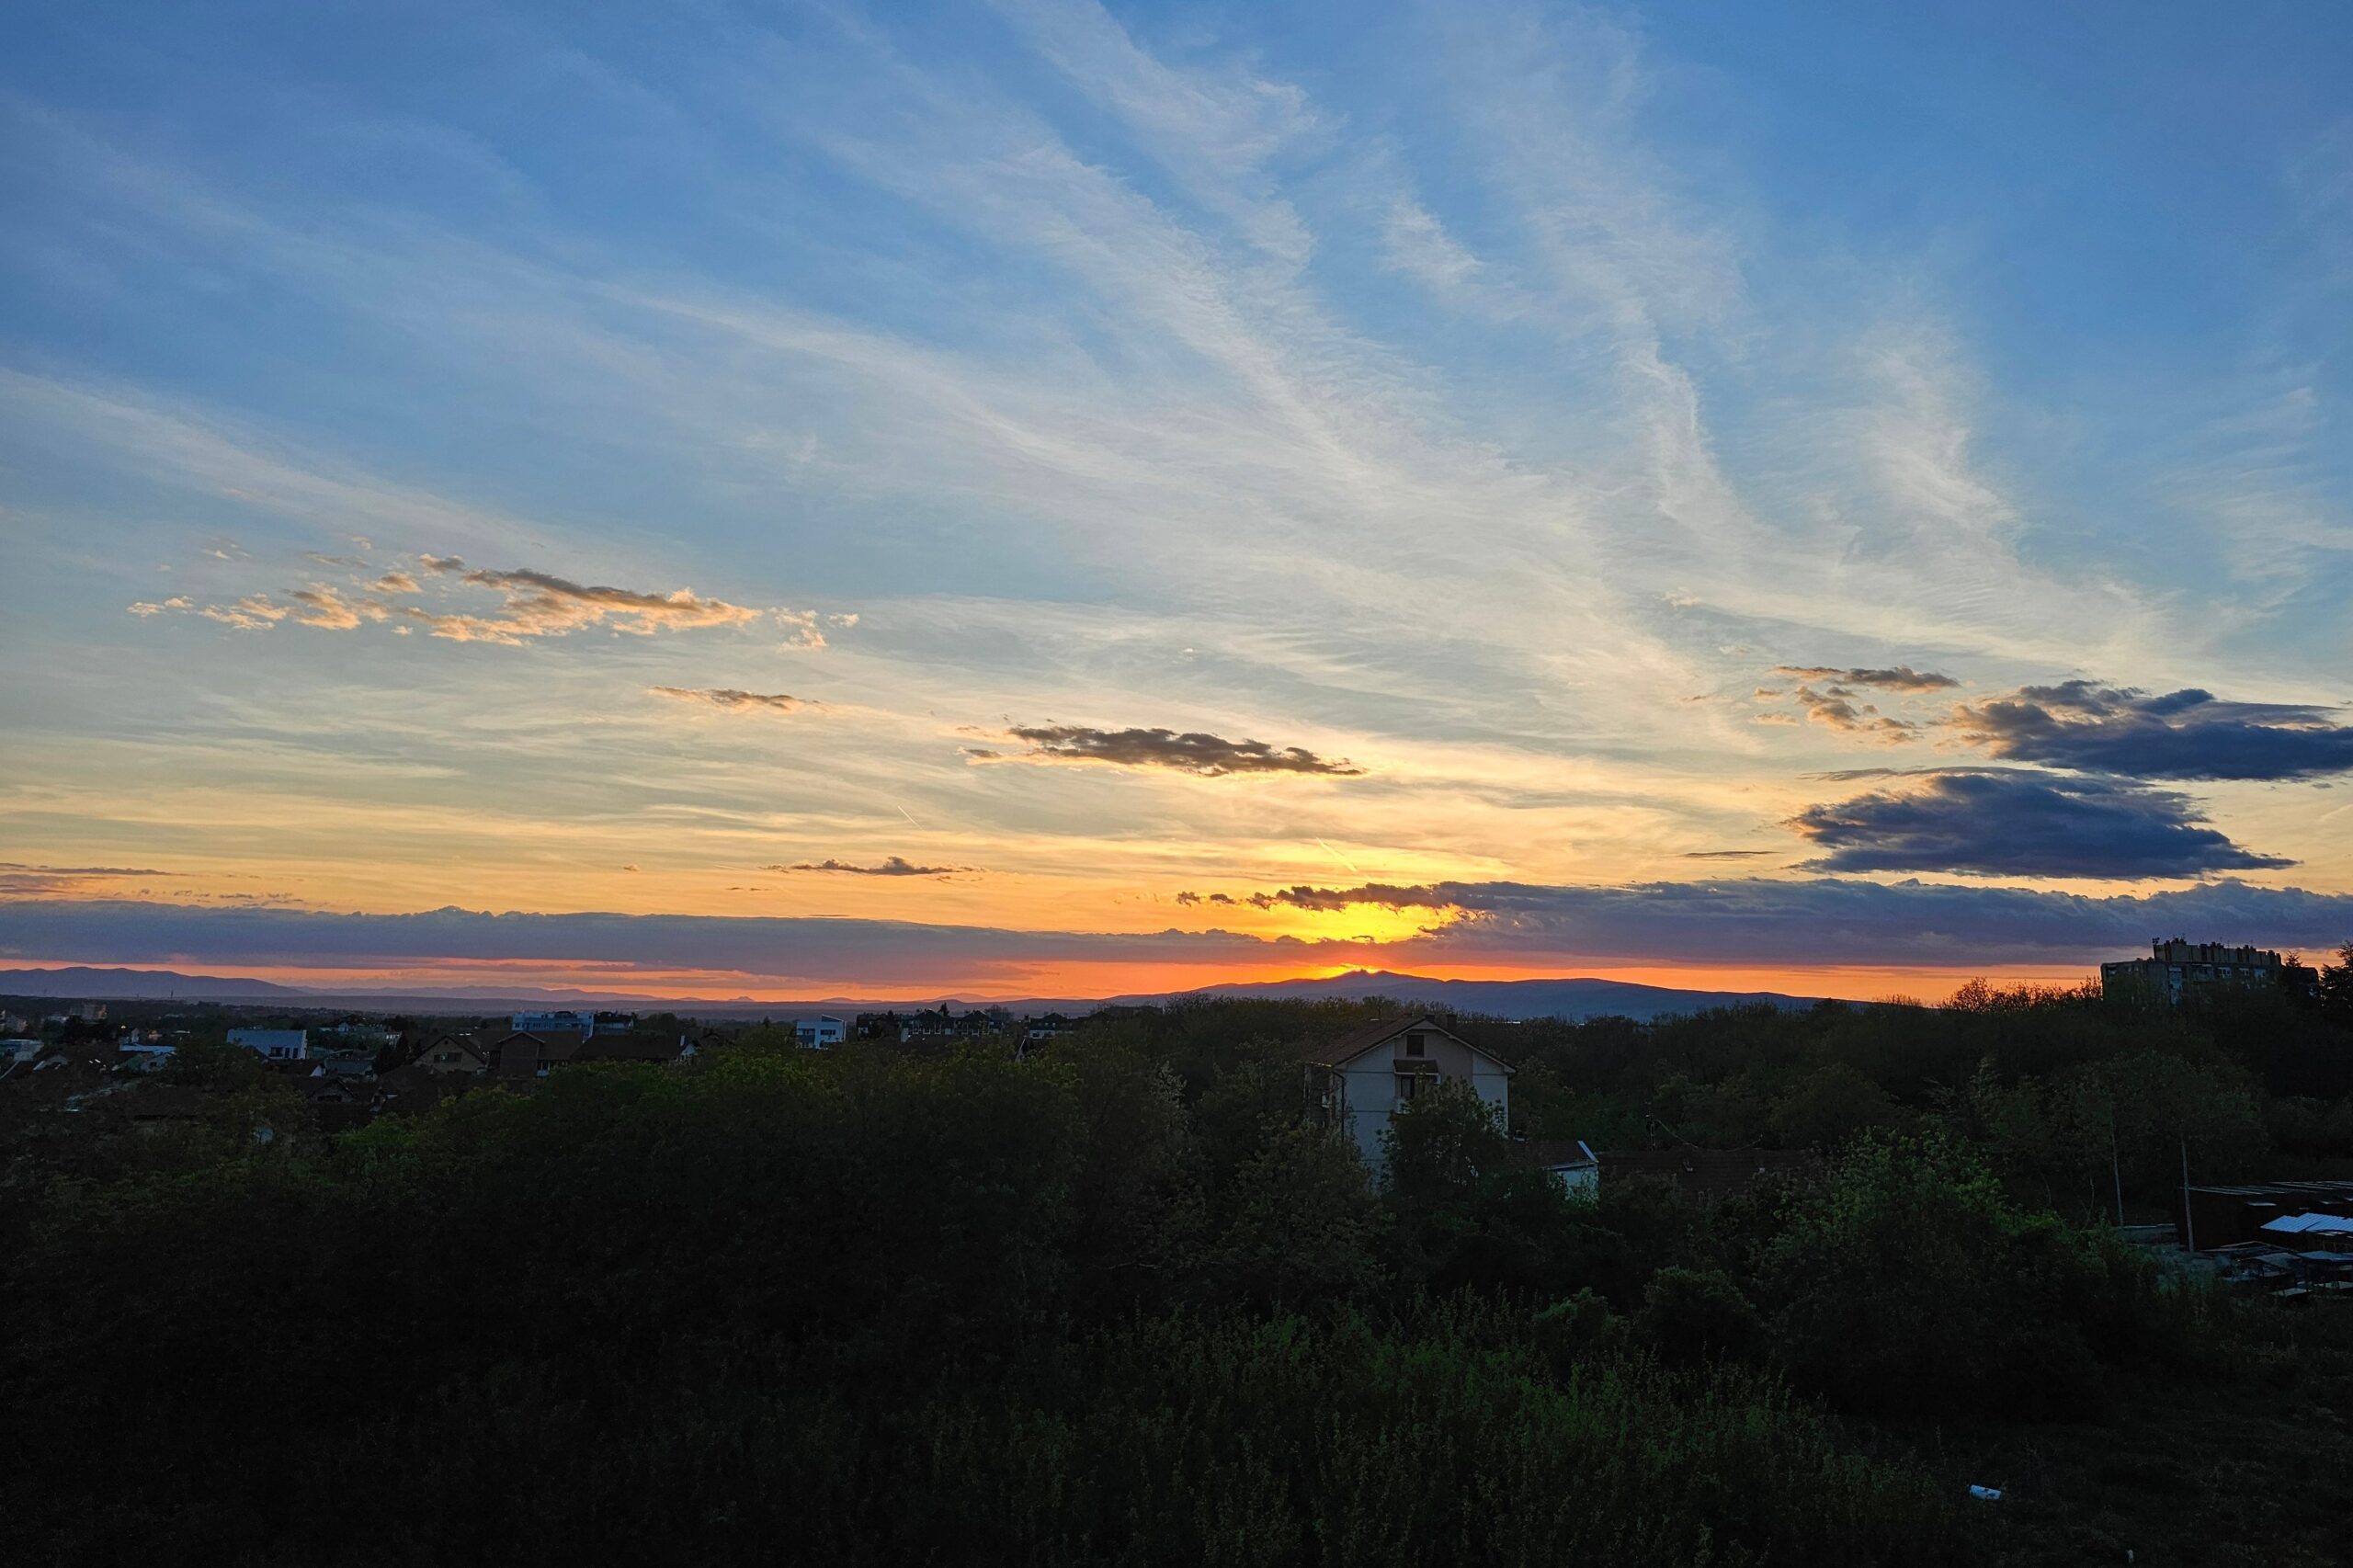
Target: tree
x,y
1695,1315
2336,988
1909,1280
1829,1105
1467,1208
1297,1226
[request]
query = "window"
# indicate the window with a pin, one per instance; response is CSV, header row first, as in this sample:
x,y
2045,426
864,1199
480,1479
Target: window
x,y
1408,1084
1414,1043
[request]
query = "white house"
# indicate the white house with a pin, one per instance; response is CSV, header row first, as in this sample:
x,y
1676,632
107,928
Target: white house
x,y
819,1032
144,1056
1366,1076
1569,1161
278,1045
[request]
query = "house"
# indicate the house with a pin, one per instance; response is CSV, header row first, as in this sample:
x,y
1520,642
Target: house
x,y
141,1055
1705,1177
1047,1026
634,1048
817,1033
275,1045
947,1022
157,1107
339,1101
1368,1074
1569,1161
454,1051
407,1091
565,1022
521,1058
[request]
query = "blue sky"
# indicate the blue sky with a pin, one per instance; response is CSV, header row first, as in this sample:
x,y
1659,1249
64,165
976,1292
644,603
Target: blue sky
x,y
1677,447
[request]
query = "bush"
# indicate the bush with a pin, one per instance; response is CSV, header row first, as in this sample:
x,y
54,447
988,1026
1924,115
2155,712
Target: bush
x,y
1909,1281
1695,1315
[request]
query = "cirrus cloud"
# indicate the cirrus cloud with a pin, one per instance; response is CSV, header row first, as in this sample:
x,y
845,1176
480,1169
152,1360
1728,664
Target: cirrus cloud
x,y
733,699
18,880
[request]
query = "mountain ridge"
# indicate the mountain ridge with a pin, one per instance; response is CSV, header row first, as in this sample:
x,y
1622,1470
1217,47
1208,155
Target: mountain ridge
x,y
1564,997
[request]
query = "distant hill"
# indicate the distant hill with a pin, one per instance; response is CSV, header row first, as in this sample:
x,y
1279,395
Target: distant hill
x,y
1569,999
136,985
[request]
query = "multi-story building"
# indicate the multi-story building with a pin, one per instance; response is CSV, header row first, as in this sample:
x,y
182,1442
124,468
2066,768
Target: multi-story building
x,y
585,1025
1363,1078
819,1033
2179,967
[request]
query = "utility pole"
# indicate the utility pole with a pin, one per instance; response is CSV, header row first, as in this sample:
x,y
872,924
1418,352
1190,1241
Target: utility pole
x,y
2188,1227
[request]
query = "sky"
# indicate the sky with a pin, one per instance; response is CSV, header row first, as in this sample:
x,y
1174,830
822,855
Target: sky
x,y
1045,498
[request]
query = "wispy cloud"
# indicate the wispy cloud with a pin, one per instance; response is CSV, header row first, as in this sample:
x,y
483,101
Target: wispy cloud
x,y
1898,677
22,881
1208,755
1416,243
535,605
539,604
890,866
255,612
328,610
729,698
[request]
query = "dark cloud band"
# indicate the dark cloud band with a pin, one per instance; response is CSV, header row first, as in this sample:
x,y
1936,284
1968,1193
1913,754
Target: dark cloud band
x,y
2021,824
2190,733
1750,921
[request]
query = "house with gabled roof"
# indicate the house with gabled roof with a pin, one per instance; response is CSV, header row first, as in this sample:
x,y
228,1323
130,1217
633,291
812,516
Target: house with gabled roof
x,y
456,1050
414,1089
521,1058
1364,1077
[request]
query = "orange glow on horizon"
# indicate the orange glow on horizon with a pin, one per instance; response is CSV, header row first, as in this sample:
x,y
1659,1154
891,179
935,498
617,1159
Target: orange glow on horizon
x,y
1078,982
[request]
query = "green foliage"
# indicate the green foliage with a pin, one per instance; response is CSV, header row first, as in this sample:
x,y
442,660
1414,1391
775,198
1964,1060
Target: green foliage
x,y
1297,1226
1909,1280
1466,1208
2336,988
1125,1302
1699,1315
